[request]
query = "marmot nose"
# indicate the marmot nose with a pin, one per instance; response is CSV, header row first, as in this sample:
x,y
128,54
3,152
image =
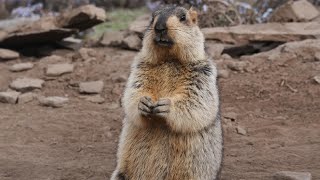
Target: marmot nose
x,y
160,27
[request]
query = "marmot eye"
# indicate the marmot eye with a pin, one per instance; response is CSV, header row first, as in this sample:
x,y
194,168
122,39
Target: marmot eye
x,y
183,18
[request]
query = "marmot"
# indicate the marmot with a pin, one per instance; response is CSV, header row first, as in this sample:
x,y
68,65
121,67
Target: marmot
x,y
172,129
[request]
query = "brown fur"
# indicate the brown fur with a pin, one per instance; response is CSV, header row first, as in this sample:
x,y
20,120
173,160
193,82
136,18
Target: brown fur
x,y
184,142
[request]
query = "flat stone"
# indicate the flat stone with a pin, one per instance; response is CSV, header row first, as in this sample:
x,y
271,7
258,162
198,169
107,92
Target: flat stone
x,y
279,32
26,98
93,87
95,99
288,175
53,101
10,97
317,79
59,69
26,84
140,24
21,67
241,130
230,115
237,65
6,54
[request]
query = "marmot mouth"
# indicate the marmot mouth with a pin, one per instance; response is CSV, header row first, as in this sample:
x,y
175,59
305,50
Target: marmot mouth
x,y
166,42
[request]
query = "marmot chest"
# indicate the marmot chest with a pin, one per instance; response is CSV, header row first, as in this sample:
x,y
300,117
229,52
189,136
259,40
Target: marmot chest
x,y
166,79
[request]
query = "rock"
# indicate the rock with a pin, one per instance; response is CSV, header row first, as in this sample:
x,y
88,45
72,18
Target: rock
x,y
38,32
241,131
237,65
132,42
214,49
87,53
6,54
26,97
317,79
120,79
230,115
226,56
10,97
59,69
26,84
112,38
53,101
295,11
53,59
82,18
95,99
223,73
21,67
278,32
93,87
288,175
140,24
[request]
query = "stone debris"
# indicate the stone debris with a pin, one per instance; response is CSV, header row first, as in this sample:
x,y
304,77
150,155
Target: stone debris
x,y
6,54
278,32
53,101
26,84
239,66
95,99
317,79
317,56
10,97
53,59
230,115
93,87
21,67
26,98
124,40
295,11
288,175
241,130
59,69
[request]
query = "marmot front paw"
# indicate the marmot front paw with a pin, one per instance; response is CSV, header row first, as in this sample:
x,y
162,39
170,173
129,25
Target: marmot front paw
x,y
147,108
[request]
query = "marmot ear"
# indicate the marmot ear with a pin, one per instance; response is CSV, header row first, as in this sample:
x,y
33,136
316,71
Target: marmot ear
x,y
193,15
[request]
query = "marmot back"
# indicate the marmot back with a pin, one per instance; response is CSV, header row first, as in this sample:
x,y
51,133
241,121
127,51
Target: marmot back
x,y
172,129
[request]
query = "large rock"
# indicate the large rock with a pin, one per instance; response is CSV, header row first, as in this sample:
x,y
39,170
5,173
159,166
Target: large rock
x,y
10,97
6,54
295,11
93,87
288,175
82,18
21,67
264,32
59,69
53,101
38,32
26,84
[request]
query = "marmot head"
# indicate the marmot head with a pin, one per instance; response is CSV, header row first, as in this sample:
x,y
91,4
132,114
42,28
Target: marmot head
x,y
174,32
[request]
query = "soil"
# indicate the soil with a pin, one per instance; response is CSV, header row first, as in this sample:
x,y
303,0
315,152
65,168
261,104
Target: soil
x,y
277,106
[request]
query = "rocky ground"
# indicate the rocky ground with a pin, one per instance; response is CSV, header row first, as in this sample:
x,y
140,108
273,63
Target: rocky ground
x,y
270,108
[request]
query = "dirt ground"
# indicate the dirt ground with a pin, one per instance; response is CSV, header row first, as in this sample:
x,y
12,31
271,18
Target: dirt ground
x,y
79,141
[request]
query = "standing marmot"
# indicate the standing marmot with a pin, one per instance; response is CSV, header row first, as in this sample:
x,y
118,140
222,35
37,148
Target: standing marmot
x,y
172,128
